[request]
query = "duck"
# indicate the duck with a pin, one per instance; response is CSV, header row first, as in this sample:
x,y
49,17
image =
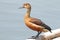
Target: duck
x,y
34,24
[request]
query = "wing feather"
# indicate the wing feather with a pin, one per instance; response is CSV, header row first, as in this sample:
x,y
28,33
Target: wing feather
x,y
40,23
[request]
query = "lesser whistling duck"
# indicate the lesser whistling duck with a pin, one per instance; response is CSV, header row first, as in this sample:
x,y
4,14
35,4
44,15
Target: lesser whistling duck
x,y
34,23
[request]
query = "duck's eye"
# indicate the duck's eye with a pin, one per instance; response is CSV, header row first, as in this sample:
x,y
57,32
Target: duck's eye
x,y
25,4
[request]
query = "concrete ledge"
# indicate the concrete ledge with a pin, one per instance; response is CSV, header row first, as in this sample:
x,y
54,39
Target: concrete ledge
x,y
55,35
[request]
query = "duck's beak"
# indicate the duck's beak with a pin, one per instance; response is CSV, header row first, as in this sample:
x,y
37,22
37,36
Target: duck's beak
x,y
20,7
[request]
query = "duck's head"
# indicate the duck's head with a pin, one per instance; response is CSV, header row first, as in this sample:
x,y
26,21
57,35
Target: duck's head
x,y
26,5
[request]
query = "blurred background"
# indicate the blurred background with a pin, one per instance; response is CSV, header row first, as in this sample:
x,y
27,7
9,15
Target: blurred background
x,y
12,25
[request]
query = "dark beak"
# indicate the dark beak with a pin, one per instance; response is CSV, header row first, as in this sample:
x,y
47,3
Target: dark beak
x,y
20,7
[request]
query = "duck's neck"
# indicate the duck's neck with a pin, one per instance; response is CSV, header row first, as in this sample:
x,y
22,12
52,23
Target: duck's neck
x,y
28,13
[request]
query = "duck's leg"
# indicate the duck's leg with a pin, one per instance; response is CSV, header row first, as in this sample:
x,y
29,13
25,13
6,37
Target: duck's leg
x,y
34,37
38,34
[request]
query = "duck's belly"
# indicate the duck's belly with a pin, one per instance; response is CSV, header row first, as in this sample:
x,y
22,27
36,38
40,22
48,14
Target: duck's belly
x,y
33,26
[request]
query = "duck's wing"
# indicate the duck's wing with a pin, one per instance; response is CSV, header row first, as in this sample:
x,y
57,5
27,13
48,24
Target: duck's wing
x,y
40,23
36,21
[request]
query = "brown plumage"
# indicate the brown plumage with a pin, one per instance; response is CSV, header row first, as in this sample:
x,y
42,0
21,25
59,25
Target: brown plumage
x,y
34,23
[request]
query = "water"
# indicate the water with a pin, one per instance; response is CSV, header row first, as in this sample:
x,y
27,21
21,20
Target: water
x,y
12,25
